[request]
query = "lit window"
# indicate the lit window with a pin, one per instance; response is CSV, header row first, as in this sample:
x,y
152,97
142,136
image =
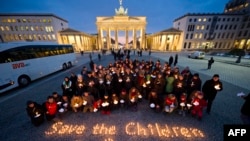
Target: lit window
x,y
53,37
16,37
11,37
49,37
44,37
204,19
37,28
39,37
27,28
197,27
202,27
200,36
44,20
51,29
7,28
195,35
20,37
30,37
24,20
34,37
199,19
41,28
9,20
13,20
32,28
47,29
2,28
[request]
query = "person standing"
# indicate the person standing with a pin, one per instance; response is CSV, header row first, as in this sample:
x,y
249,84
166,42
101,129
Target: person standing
x,y
170,60
210,62
99,57
245,112
149,52
175,59
210,89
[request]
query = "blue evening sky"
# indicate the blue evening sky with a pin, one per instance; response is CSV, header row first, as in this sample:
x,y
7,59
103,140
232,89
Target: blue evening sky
x,y
81,14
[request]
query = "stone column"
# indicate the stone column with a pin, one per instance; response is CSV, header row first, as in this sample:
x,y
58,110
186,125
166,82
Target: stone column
x,y
116,38
134,39
172,44
126,32
99,38
142,38
108,39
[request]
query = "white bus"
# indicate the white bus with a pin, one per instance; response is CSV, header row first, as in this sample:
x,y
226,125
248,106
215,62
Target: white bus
x,y
24,62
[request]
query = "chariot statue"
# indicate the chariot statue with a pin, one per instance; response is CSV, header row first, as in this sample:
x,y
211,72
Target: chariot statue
x,y
121,11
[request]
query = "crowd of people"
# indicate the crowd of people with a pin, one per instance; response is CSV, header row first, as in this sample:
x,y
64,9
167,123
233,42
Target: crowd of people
x,y
124,84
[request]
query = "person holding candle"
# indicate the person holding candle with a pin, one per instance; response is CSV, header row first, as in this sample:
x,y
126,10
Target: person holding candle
x,y
35,112
88,102
210,89
51,108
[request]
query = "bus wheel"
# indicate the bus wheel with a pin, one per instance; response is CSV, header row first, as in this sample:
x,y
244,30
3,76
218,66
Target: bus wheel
x,y
69,64
23,81
64,66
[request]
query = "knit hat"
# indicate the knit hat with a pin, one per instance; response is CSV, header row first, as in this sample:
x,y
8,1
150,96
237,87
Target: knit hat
x,y
216,75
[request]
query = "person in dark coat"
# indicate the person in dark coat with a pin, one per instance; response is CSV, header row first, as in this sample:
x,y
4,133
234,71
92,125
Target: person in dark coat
x,y
245,112
194,84
210,89
35,112
175,59
210,62
170,60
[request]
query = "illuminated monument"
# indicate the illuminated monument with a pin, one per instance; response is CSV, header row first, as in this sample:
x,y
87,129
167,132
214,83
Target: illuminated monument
x,y
108,28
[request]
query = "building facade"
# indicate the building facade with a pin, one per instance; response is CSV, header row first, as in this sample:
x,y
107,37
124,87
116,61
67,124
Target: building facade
x,y
80,41
208,31
241,7
30,27
165,40
220,31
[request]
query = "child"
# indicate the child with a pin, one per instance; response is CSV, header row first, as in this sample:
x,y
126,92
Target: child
x,y
35,112
106,105
198,104
133,98
123,98
183,104
154,101
50,108
97,105
115,101
76,103
170,103
88,101
65,105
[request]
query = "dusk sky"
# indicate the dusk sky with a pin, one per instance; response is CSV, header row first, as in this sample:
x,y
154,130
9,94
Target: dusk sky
x,y
81,14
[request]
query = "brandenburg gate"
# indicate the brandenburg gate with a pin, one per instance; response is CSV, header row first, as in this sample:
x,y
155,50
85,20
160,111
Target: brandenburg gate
x,y
121,22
